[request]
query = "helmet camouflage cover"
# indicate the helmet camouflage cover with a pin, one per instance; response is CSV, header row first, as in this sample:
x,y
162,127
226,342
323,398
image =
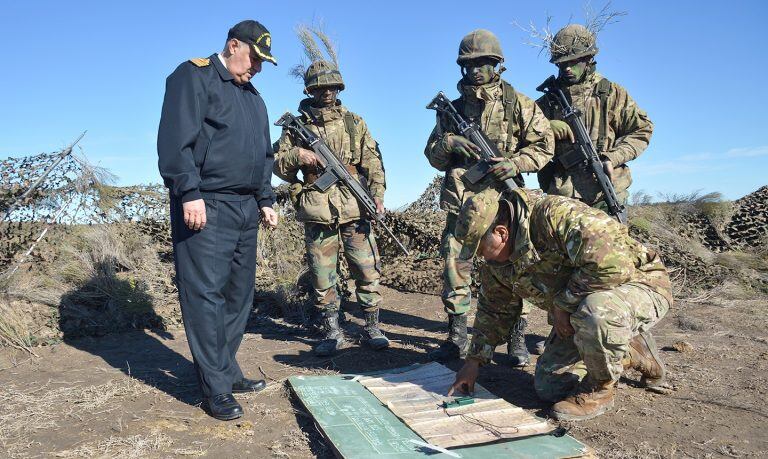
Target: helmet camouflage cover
x,y
322,73
573,41
479,43
476,216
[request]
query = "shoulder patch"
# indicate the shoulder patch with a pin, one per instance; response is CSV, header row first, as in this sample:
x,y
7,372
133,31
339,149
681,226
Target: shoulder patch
x,y
201,61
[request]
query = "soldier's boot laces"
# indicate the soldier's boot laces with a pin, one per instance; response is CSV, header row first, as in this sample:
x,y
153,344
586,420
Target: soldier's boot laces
x,y
456,345
591,399
372,335
644,357
333,338
518,353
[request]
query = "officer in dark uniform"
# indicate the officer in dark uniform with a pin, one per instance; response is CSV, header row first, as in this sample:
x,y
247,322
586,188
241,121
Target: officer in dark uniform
x,y
215,156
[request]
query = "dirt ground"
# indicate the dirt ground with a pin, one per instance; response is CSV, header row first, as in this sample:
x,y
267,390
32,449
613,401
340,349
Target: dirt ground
x,y
135,394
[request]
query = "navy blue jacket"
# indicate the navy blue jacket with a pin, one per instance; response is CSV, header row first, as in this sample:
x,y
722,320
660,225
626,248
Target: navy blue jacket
x,y
214,135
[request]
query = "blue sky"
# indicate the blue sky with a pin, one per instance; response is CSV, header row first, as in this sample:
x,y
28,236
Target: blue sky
x,y
696,67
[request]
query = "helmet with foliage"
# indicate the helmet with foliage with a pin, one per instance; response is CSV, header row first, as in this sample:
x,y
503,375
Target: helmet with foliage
x,y
322,73
573,41
479,43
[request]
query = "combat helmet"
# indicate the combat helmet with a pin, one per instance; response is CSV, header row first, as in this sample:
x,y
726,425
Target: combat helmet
x,y
322,73
572,42
479,43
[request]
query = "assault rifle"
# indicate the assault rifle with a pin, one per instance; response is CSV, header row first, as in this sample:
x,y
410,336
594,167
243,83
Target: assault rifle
x,y
474,134
334,172
585,150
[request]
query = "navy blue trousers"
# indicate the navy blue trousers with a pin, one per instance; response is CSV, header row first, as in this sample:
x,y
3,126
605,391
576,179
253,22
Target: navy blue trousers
x,y
215,272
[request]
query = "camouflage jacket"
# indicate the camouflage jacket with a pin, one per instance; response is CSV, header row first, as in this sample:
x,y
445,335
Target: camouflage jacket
x,y
526,138
563,251
628,131
336,205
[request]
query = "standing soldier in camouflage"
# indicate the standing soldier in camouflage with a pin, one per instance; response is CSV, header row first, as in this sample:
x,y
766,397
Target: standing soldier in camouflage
x,y
619,129
334,217
602,290
522,134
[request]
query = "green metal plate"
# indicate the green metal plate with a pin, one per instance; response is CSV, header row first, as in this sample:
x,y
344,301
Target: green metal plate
x,y
358,426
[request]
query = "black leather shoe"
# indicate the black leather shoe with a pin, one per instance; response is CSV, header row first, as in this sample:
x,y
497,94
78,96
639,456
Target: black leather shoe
x,y
246,385
224,407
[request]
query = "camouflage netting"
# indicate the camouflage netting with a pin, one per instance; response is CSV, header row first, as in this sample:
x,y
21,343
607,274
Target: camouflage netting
x,y
106,265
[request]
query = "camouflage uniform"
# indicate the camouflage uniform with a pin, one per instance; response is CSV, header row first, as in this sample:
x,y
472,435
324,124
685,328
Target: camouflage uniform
x,y
525,138
333,218
607,107
570,256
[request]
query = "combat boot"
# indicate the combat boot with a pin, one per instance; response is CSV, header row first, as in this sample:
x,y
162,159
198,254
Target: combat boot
x,y
372,335
333,338
591,399
518,353
456,345
644,357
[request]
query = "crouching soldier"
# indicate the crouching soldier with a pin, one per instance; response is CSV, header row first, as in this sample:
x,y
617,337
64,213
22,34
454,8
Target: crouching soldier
x,y
603,292
334,217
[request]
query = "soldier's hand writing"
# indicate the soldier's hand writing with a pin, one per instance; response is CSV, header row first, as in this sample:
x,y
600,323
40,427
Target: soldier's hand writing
x,y
307,157
194,214
462,146
379,206
562,324
504,169
608,168
561,130
268,217
465,378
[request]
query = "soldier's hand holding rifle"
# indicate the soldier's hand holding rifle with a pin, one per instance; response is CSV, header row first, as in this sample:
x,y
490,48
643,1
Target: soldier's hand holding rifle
x,y
308,157
461,145
504,168
562,131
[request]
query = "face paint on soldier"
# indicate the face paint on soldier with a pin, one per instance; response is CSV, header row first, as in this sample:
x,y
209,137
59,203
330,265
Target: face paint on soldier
x,y
324,96
572,72
479,71
242,61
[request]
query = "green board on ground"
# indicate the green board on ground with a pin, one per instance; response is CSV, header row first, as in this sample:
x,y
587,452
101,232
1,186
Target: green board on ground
x,y
359,427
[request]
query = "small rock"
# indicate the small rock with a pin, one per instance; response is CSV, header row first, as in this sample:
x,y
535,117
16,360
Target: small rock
x,y
682,346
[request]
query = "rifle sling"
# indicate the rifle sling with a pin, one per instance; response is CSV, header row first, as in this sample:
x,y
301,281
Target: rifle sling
x,y
602,91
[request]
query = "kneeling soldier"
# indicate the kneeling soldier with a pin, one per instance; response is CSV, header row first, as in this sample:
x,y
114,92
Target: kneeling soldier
x,y
602,290
334,217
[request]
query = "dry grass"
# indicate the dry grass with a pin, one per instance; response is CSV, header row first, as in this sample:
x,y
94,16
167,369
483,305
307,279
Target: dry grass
x,y
134,446
23,411
14,327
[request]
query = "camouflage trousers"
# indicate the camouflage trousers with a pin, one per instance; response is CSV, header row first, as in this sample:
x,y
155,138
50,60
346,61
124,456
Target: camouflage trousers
x,y
457,274
604,322
323,243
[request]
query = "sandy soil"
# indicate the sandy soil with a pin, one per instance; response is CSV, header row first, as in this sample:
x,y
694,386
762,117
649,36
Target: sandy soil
x,y
135,395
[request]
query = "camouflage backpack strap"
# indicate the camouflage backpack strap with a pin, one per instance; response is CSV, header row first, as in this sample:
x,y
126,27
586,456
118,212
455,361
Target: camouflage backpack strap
x,y
602,91
349,126
509,97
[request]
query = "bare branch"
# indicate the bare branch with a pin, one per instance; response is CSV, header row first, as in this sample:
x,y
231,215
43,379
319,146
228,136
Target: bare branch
x,y
595,21
311,50
330,46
